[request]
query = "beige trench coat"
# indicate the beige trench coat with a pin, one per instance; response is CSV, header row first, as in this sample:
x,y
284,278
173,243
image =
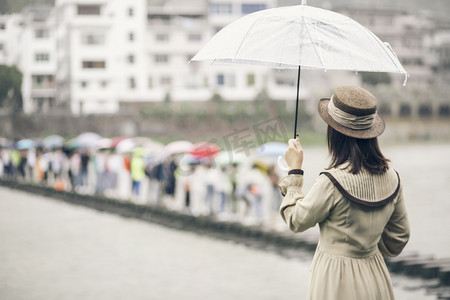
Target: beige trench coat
x,y
354,237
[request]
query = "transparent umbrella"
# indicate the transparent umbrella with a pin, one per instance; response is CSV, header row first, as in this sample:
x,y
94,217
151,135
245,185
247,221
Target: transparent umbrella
x,y
53,141
87,139
296,37
271,149
25,144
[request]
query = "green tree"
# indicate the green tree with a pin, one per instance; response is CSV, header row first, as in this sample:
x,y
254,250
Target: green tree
x,y
10,87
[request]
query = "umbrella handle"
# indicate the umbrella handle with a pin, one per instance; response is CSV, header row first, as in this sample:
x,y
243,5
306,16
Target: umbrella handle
x,y
296,102
282,163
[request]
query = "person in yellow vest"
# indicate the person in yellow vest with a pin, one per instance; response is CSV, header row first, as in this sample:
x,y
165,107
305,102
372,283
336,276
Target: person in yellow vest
x,y
137,167
15,161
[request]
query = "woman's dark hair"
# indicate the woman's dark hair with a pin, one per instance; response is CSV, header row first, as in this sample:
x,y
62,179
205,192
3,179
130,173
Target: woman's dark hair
x,y
358,152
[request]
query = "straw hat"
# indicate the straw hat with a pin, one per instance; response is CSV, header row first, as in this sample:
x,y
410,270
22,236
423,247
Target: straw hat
x,y
353,112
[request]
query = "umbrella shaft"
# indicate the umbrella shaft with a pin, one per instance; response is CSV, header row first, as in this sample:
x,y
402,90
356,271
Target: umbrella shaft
x,y
296,103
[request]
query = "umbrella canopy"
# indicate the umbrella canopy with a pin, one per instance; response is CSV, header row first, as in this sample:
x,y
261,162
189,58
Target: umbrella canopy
x,y
25,144
88,139
228,158
178,147
204,149
292,36
153,148
115,141
192,160
125,146
103,143
301,36
271,150
53,141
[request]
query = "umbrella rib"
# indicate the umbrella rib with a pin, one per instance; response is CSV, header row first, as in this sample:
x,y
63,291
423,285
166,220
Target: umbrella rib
x,y
385,50
245,37
314,46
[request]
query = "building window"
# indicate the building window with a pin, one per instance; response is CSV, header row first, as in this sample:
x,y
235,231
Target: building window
x,y
2,26
444,110
89,64
88,10
250,79
162,37
150,82
158,20
425,110
166,81
41,33
221,8
405,110
130,11
43,104
220,79
194,37
384,110
84,84
104,83
161,58
251,8
1,47
131,83
131,36
130,59
93,39
41,57
42,81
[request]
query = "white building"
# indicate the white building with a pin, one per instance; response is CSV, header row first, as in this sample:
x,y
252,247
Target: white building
x,y
26,40
10,29
177,30
4,37
407,34
101,54
96,56
37,60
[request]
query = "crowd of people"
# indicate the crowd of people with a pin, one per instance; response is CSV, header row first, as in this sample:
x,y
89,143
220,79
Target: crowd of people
x,y
244,191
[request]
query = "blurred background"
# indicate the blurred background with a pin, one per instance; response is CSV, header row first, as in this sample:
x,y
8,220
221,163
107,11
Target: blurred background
x,y
99,97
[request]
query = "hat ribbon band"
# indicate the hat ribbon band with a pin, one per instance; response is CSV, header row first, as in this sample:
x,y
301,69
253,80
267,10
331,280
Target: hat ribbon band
x,y
348,120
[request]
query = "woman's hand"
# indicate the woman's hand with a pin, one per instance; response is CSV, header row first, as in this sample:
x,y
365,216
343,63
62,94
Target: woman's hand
x,y
294,154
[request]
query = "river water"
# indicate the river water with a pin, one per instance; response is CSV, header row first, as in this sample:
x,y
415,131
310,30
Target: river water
x,y
53,250
425,173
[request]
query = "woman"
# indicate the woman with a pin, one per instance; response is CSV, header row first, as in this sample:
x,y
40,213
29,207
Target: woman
x,y
358,203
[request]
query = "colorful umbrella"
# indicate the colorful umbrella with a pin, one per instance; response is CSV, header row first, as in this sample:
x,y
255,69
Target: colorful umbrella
x,y
204,149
